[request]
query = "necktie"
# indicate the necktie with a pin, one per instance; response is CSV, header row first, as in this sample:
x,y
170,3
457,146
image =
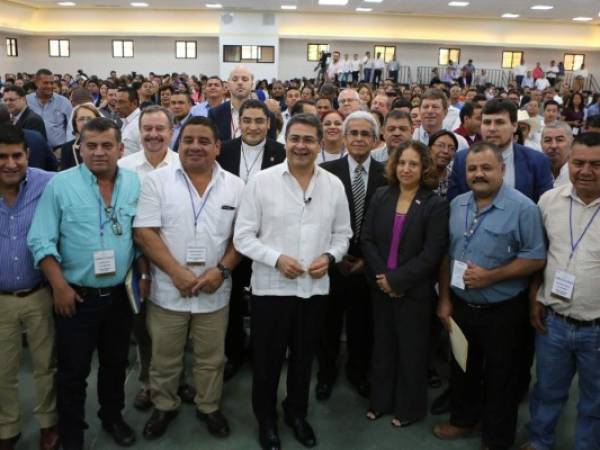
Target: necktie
x,y
358,197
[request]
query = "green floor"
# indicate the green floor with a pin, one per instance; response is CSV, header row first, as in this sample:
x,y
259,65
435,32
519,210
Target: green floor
x,y
339,423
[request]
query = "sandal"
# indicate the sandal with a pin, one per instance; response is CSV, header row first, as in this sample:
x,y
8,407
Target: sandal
x,y
399,423
373,415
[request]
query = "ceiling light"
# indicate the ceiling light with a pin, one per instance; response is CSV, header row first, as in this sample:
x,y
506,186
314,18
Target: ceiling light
x,y
373,1
290,7
459,4
139,4
364,9
333,2
542,7
214,5
66,3
510,15
582,19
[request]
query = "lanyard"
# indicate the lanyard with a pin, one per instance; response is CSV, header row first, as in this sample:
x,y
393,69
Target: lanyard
x,y
109,218
249,169
475,224
196,214
574,244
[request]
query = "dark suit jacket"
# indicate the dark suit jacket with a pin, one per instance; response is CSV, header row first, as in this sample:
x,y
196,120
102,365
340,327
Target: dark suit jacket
x,y
341,169
423,244
221,116
40,153
533,173
231,153
30,120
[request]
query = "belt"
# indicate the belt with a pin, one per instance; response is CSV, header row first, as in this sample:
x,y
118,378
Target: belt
x,y
572,321
24,292
85,291
486,306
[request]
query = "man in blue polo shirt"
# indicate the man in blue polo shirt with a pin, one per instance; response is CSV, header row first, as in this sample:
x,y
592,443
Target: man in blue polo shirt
x,y
496,243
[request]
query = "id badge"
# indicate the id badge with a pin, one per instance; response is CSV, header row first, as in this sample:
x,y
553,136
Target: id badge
x,y
104,263
458,272
195,254
563,285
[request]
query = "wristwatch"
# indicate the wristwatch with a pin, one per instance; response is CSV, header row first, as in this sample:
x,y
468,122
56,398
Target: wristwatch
x,y
224,271
331,258
145,276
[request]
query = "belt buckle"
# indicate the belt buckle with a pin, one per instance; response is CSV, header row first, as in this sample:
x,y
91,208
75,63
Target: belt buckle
x,y
22,293
104,292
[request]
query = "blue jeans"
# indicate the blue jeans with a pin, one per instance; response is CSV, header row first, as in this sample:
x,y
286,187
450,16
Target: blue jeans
x,y
562,351
367,75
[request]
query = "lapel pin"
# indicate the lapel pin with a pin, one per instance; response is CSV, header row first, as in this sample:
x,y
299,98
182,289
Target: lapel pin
x,y
271,159
418,202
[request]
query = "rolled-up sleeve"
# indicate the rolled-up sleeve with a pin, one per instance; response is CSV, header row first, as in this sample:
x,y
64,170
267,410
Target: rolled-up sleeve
x,y
532,235
44,234
148,214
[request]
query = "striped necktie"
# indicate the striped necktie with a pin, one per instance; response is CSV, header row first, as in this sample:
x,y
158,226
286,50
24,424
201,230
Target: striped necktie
x,y
358,197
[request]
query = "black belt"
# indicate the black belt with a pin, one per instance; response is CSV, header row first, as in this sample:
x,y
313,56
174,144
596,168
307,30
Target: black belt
x,y
85,291
24,292
486,306
572,321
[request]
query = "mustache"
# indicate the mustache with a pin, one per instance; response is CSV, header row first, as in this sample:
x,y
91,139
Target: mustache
x,y
479,180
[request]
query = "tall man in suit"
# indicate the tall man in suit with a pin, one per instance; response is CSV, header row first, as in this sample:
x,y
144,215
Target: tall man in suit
x,y
244,157
349,294
227,115
21,114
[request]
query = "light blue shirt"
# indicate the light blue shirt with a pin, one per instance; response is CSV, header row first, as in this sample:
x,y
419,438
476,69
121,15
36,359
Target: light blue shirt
x,y
200,109
56,114
66,225
177,129
507,229
508,155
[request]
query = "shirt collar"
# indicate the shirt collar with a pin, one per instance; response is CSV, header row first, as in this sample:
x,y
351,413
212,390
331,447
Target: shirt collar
x,y
132,116
569,191
89,176
258,147
182,121
217,174
498,201
352,163
508,152
285,168
165,161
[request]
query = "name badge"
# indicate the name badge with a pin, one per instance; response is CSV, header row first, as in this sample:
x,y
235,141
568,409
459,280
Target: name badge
x,y
195,254
458,272
563,285
104,263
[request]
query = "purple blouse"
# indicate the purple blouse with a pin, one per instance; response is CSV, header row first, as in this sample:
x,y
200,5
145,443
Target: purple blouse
x,y
399,220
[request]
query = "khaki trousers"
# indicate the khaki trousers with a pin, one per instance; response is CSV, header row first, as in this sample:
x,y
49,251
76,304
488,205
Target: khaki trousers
x,y
32,314
169,332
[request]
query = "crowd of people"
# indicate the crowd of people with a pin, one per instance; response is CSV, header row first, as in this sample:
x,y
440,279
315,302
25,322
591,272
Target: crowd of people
x,y
398,213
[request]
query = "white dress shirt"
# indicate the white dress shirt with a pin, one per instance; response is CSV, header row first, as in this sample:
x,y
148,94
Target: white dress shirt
x,y
422,136
165,203
563,176
381,154
251,159
508,155
130,132
277,218
138,163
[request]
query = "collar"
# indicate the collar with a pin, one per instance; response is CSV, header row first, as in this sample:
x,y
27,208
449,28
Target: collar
x,y
258,147
285,169
89,176
37,99
568,190
508,151
182,121
167,160
136,112
498,202
352,163
217,174
18,116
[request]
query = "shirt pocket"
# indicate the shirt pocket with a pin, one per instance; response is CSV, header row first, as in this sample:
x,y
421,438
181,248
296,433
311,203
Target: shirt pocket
x,y
499,246
79,223
125,217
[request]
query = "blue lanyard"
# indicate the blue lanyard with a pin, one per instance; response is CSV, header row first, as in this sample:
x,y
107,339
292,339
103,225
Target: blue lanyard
x,y
574,244
196,214
475,224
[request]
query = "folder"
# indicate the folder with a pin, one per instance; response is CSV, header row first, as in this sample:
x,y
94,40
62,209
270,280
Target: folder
x,y
459,344
132,285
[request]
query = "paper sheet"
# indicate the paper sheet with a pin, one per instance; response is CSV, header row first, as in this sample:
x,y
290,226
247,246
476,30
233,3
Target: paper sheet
x,y
459,344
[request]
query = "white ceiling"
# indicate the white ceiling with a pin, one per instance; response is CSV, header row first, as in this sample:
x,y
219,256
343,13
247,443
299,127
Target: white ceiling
x,y
564,10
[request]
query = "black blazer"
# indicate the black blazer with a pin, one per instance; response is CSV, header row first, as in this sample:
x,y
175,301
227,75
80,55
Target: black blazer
x,y
40,153
221,116
341,169
231,152
30,120
423,244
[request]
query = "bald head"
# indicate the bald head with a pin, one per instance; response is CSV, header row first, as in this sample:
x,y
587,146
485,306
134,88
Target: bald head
x,y
240,83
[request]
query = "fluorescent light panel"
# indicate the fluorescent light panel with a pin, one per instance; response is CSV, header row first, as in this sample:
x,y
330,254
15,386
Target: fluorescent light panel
x,y
582,19
510,15
373,1
333,2
459,4
290,7
364,9
139,4
542,7
214,5
66,3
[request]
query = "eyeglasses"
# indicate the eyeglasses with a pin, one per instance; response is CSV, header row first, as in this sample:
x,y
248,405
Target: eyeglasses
x,y
347,100
442,146
361,133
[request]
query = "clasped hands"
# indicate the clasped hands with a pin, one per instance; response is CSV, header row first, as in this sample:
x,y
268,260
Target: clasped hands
x,y
189,284
292,269
384,285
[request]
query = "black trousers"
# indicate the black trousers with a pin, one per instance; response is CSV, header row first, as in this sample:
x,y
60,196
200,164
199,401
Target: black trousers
x,y
278,323
103,324
355,76
487,391
393,75
349,298
400,355
377,76
235,338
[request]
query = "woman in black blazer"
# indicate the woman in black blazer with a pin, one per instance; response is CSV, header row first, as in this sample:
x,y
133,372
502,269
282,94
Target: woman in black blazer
x,y
404,238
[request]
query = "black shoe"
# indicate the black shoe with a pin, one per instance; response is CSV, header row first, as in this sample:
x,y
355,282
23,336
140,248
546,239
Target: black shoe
x,y
323,391
303,432
158,424
269,438
441,405
186,393
231,368
121,433
215,422
142,401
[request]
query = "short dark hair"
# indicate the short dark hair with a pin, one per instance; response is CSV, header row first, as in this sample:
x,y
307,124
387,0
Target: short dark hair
x,y
589,139
497,106
551,102
438,134
100,125
252,103
166,87
298,107
12,135
435,94
16,89
305,119
154,109
42,72
468,110
200,120
215,77
131,94
398,115
592,121
401,102
482,146
429,176
4,114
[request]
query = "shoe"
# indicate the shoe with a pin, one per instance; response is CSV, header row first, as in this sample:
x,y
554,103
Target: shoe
x,y
323,391
187,393
121,433
448,432
10,443
49,438
142,400
269,438
399,423
373,415
215,422
303,432
231,368
441,405
158,423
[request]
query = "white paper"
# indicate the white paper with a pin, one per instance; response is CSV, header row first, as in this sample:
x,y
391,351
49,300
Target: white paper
x,y
563,285
459,344
195,255
458,272
104,262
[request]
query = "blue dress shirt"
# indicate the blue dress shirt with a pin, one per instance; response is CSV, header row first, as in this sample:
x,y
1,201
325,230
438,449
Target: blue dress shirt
x,y
56,114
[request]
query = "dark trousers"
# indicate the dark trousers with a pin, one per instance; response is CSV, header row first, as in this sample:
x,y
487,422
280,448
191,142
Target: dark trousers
x,y
400,355
487,391
349,297
393,75
376,76
355,76
102,323
235,339
279,322
519,80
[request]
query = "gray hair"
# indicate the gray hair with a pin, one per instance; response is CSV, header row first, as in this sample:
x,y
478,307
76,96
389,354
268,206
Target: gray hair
x,y
153,109
355,93
559,125
361,115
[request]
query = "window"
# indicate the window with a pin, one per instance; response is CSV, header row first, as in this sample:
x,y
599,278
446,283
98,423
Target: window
x,y
510,60
249,53
59,48
448,54
573,61
314,51
11,47
185,49
388,52
122,49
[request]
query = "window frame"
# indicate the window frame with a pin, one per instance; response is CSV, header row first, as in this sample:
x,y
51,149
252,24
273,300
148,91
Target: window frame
x,y
12,47
449,50
122,41
186,42
253,60
574,55
59,42
512,52
319,45
385,49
